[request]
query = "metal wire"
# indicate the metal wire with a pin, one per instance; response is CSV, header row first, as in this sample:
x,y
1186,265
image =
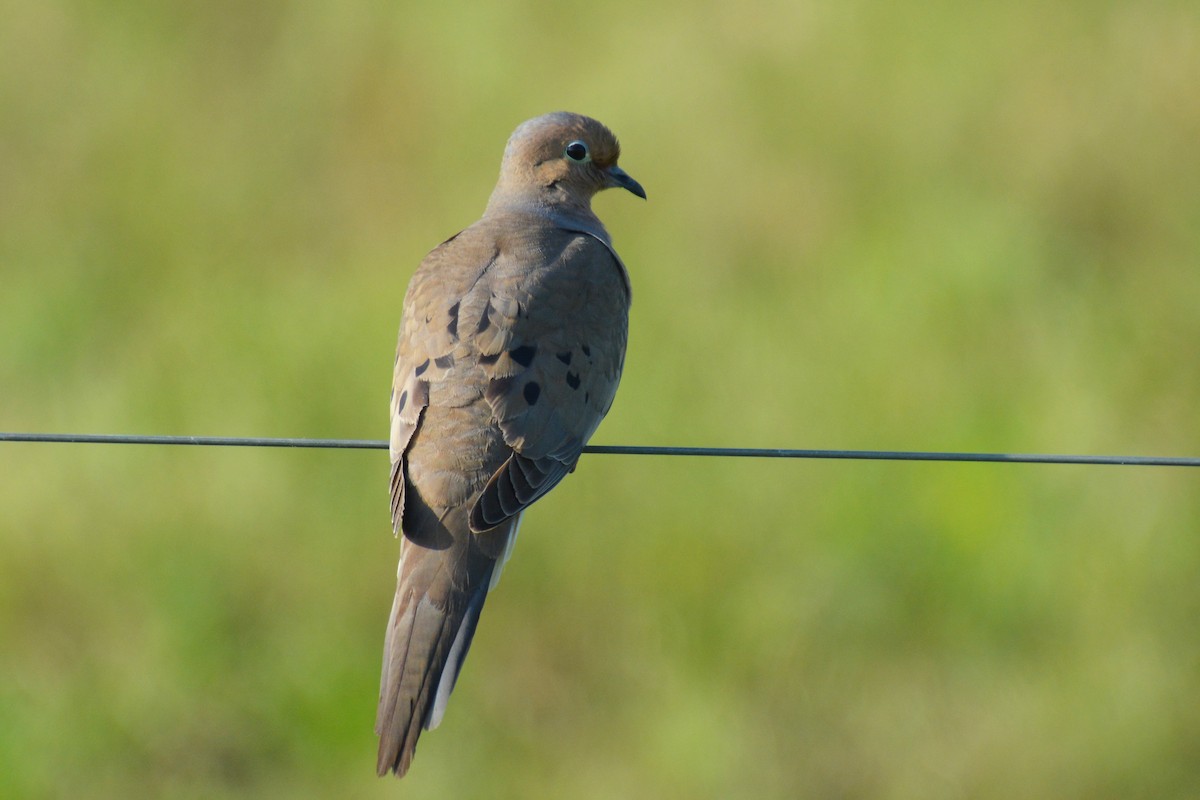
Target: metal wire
x,y
626,450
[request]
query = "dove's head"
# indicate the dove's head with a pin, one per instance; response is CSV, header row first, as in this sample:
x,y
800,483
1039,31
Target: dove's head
x,y
562,158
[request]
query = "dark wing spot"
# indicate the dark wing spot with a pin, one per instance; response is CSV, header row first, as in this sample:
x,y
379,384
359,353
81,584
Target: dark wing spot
x,y
485,320
488,360
573,380
419,371
523,355
531,392
564,357
497,389
444,362
403,401
587,351
453,326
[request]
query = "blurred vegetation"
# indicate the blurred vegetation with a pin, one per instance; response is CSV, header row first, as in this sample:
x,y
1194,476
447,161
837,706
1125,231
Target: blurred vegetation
x,y
870,226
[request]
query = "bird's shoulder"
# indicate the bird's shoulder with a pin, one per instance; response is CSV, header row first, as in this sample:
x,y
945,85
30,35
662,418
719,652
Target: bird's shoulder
x,y
508,279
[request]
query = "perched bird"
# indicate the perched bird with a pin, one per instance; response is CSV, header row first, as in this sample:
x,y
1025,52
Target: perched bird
x,y
511,346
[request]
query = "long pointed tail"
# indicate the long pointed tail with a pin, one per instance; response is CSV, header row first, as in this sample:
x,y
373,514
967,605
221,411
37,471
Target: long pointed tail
x,y
439,595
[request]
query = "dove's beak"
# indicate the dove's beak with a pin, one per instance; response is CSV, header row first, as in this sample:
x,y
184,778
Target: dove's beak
x,y
619,177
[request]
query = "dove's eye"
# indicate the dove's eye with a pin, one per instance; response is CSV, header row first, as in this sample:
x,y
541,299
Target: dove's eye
x,y
577,151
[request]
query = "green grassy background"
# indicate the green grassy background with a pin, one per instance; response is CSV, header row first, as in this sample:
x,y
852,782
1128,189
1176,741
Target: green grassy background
x,y
870,225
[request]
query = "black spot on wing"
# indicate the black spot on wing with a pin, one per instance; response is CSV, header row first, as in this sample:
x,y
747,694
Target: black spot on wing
x,y
573,380
564,357
485,321
532,391
420,370
587,351
487,360
444,362
403,401
452,328
523,355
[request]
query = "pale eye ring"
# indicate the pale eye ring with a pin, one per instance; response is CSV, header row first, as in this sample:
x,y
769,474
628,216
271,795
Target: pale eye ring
x,y
578,151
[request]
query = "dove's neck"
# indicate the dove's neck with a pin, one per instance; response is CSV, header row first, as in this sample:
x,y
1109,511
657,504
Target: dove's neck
x,y
571,216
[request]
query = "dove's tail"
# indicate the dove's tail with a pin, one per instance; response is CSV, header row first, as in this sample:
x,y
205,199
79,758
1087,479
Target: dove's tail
x,y
439,595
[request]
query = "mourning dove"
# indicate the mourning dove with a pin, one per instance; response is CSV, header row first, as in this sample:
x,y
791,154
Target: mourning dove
x,y
511,346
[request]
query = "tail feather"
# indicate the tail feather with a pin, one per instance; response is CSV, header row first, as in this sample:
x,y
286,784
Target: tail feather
x,y
422,638
456,656
439,598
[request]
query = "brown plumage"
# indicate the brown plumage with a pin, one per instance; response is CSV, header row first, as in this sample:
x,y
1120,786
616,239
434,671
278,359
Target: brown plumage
x,y
511,346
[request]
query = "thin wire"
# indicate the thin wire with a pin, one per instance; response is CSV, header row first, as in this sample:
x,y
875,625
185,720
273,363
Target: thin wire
x,y
204,441
626,450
